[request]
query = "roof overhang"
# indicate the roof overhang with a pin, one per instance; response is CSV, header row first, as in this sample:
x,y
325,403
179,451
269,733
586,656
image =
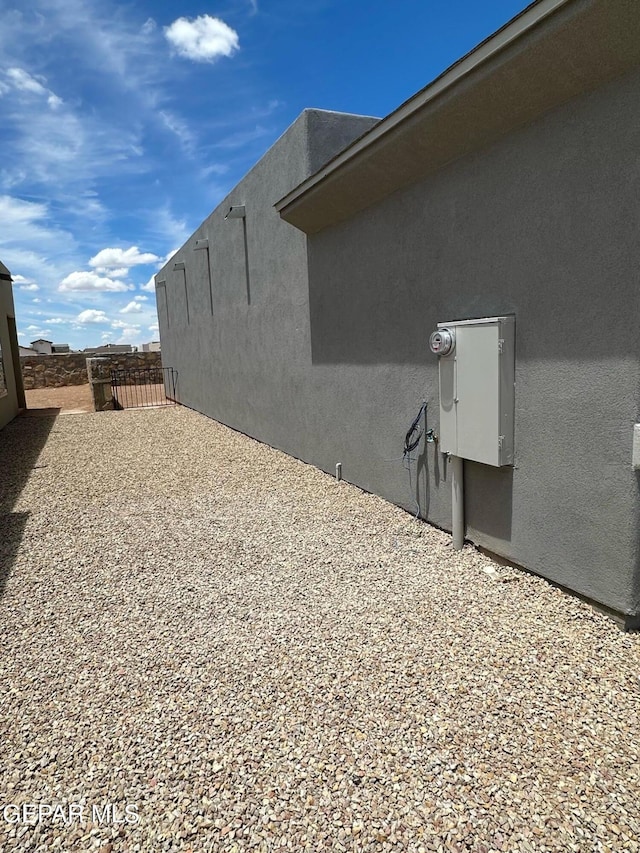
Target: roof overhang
x,y
553,51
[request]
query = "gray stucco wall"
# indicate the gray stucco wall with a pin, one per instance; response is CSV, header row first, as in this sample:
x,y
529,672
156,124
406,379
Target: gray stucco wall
x,y
331,363
542,224
247,365
8,402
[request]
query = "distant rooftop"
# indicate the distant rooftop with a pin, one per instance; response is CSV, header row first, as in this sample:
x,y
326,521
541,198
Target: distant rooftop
x,y
110,348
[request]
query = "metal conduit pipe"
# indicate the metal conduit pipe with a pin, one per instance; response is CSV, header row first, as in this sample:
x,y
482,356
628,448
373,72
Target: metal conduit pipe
x,y
457,501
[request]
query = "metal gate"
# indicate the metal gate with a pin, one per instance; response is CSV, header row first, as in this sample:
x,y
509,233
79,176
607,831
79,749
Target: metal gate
x,y
140,387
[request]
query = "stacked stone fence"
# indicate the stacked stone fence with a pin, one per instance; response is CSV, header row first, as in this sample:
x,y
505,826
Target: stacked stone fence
x,y
56,371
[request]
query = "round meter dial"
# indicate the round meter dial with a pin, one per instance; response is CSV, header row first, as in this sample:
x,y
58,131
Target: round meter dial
x,y
441,342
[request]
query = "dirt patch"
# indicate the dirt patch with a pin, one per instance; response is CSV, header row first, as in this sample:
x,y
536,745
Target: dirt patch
x,y
76,399
142,395
71,399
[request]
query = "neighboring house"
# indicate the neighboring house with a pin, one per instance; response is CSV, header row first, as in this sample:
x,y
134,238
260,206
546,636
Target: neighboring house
x,y
42,347
26,350
109,348
11,389
507,187
152,346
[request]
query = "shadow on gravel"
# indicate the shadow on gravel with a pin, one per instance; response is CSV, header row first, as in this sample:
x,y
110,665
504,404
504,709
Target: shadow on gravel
x,y
21,442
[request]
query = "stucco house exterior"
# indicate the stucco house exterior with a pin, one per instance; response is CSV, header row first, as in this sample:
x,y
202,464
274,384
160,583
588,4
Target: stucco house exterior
x,y
300,311
11,390
42,346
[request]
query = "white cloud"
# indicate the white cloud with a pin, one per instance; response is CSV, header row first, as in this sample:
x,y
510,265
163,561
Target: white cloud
x,y
128,333
150,285
169,255
64,148
55,321
214,169
91,315
24,82
202,39
154,328
165,226
244,137
32,328
19,212
180,129
131,307
24,283
58,152
36,300
91,281
31,244
140,298
121,260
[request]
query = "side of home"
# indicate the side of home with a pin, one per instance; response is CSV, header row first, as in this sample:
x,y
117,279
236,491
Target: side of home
x,y
507,188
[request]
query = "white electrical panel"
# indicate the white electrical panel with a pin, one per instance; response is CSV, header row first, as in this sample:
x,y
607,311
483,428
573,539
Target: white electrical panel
x,y
477,394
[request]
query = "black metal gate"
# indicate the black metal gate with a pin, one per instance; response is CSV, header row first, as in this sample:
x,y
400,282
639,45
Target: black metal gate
x,y
140,387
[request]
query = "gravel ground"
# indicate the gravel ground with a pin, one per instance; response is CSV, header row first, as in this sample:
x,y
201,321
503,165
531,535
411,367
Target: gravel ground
x,y
249,655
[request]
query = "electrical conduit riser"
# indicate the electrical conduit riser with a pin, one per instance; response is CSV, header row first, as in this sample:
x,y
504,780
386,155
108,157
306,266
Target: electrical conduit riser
x,y
457,501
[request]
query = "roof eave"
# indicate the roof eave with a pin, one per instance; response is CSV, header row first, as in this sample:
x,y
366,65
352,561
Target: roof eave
x,y
551,52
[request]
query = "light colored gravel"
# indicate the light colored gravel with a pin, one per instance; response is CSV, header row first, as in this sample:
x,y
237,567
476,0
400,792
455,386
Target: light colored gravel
x,y
260,658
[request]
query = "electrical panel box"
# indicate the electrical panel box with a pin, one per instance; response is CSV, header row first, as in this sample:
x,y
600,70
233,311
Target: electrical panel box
x,y
477,393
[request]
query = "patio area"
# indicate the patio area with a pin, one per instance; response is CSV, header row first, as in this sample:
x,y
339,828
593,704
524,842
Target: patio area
x,y
233,651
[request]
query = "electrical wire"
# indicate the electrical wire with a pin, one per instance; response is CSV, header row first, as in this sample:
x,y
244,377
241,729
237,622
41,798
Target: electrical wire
x,y
411,442
408,459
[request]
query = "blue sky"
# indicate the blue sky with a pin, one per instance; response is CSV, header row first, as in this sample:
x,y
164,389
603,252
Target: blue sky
x,y
125,124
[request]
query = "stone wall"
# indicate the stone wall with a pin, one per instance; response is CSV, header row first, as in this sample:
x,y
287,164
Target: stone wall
x,y
141,360
55,371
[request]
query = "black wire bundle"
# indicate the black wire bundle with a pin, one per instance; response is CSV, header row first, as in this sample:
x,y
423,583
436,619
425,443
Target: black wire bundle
x,y
411,441
414,434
